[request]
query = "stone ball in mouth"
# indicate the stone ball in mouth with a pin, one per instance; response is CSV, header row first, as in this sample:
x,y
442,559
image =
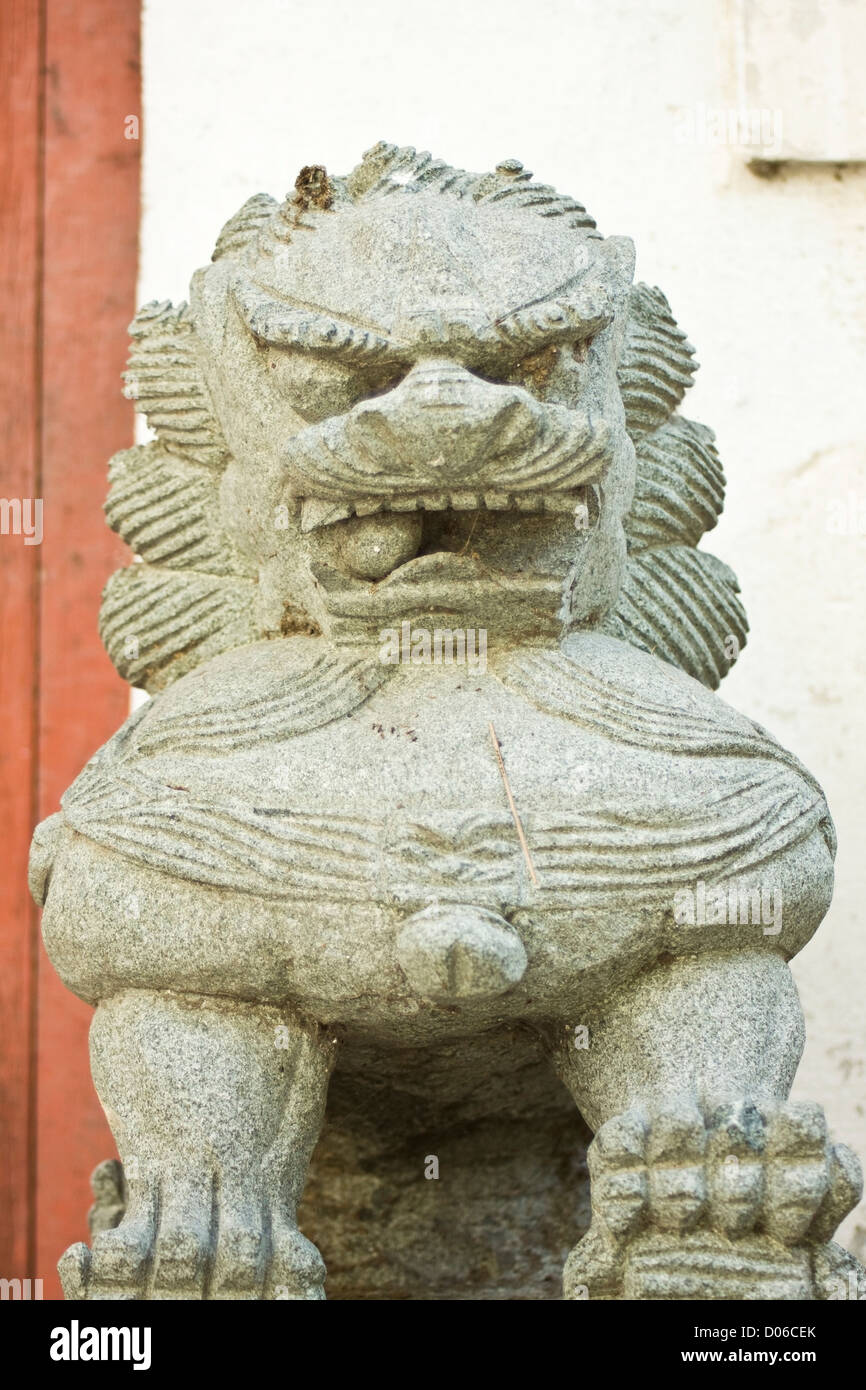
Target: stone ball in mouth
x,y
372,546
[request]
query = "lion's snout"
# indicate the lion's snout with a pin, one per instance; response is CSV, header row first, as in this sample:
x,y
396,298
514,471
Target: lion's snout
x,y
444,426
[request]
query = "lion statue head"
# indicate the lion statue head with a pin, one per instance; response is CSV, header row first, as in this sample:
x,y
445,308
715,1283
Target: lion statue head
x,y
410,393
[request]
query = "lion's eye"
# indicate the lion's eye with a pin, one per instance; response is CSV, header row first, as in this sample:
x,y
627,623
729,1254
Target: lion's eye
x,y
313,386
384,377
317,386
532,371
536,369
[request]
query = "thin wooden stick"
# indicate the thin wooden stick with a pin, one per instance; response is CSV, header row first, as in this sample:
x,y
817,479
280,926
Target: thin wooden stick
x,y
520,835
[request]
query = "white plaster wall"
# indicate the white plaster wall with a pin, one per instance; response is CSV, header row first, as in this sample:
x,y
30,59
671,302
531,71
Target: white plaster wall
x,y
767,277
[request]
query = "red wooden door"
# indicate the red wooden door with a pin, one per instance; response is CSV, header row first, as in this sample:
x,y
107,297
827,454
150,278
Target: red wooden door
x,y
68,253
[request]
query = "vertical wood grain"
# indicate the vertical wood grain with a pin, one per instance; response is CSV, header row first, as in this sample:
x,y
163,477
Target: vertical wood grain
x,y
91,214
20,273
68,260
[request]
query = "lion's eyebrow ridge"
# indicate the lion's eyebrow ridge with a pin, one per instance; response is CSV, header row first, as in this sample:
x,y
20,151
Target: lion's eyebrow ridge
x,y
282,324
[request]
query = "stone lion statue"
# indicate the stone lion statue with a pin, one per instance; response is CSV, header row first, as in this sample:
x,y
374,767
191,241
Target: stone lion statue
x,y
433,801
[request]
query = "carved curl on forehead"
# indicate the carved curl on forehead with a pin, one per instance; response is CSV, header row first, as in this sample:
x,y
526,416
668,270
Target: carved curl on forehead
x,y
385,169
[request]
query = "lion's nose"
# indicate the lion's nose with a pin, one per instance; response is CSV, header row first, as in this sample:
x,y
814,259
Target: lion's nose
x,y
443,386
438,385
449,422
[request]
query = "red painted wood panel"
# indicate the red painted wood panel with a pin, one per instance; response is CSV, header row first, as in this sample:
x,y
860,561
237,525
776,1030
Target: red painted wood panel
x,y
20,219
91,213
69,278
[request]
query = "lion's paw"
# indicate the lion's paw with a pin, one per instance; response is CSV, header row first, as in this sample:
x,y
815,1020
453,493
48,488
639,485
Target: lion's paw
x,y
196,1238
733,1203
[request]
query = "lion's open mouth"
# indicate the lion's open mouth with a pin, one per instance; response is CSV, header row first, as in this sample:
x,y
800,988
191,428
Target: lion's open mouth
x,y
479,553
379,540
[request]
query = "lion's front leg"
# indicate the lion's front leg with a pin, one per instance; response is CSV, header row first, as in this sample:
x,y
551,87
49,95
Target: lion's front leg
x,y
216,1106
707,1183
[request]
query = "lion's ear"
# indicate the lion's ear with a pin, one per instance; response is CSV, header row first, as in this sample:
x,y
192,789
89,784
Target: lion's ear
x,y
676,600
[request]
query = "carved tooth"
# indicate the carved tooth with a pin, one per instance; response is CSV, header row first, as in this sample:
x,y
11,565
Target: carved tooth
x,y
317,511
560,502
403,504
528,502
434,501
465,501
496,501
368,506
